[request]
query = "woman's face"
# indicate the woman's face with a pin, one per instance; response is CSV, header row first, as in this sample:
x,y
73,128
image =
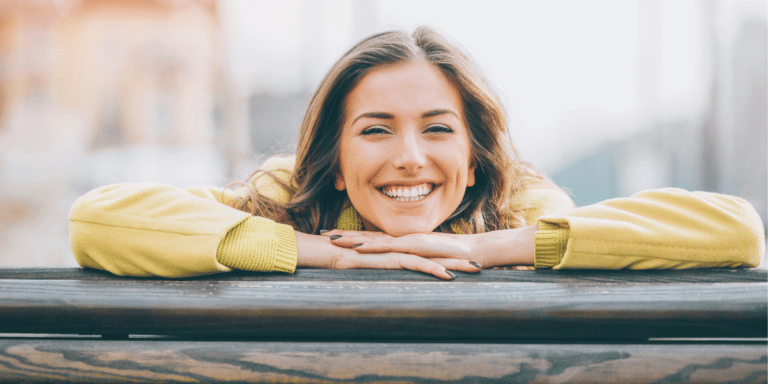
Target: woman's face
x,y
405,153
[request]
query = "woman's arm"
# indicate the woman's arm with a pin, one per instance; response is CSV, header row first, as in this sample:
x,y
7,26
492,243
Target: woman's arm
x,y
160,230
657,229
660,229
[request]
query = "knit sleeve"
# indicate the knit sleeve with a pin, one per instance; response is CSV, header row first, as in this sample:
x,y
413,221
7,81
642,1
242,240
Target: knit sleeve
x,y
658,229
550,243
259,244
151,229
161,230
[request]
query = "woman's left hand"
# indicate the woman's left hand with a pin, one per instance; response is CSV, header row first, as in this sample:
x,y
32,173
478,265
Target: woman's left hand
x,y
490,249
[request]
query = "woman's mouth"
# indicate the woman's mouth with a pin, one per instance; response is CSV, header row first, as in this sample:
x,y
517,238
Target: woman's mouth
x,y
407,193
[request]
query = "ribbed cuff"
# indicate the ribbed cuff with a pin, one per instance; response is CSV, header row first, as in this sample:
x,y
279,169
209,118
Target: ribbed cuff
x,y
287,253
259,244
551,242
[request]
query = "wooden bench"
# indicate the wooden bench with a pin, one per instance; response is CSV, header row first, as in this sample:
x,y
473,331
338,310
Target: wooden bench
x,y
325,326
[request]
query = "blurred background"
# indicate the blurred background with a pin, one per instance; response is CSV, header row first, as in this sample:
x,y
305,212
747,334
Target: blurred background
x,y
606,97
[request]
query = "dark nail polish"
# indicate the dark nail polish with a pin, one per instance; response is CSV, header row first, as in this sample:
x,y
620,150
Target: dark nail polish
x,y
324,231
334,237
476,264
450,274
356,245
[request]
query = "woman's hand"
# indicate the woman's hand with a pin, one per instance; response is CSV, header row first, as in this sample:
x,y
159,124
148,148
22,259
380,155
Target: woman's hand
x,y
321,252
490,249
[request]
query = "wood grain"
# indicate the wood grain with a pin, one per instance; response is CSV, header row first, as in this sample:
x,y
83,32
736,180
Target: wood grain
x,y
54,361
570,277
320,326
375,310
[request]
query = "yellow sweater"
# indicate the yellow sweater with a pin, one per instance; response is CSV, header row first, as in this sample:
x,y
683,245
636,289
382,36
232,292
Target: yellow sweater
x,y
159,230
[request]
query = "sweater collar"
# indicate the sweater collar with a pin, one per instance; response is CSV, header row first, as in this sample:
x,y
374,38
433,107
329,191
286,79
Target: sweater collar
x,y
349,219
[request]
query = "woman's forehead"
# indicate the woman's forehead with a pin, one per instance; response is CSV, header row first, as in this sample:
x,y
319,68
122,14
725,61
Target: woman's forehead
x,y
412,88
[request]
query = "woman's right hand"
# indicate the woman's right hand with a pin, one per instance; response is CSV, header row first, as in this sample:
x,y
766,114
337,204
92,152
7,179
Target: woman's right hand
x,y
317,252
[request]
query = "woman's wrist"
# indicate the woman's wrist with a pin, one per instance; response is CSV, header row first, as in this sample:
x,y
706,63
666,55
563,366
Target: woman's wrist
x,y
314,251
508,247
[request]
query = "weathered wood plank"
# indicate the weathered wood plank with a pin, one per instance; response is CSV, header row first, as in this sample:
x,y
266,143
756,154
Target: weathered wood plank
x,y
538,276
383,309
53,361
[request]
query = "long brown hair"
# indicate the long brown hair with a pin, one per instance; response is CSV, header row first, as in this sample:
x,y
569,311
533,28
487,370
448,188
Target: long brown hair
x,y
315,204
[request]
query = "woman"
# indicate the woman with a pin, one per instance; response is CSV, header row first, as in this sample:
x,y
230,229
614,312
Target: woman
x,y
403,162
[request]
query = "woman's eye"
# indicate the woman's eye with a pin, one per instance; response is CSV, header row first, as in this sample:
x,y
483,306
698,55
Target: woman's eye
x,y
375,130
439,128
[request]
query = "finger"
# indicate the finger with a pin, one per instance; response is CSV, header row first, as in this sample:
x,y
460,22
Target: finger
x,y
330,232
424,245
339,232
349,238
458,265
394,261
421,264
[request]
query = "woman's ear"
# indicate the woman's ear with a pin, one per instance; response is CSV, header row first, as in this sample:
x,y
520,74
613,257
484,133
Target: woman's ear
x,y
471,174
340,184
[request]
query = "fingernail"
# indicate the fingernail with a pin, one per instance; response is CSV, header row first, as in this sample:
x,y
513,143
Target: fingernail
x,y
334,237
450,274
324,231
476,264
356,245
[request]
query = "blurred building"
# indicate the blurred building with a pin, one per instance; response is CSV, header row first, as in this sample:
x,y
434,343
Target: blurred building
x,y
137,71
98,91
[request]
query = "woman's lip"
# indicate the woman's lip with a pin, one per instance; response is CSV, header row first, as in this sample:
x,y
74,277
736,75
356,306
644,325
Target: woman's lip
x,y
427,184
407,191
408,194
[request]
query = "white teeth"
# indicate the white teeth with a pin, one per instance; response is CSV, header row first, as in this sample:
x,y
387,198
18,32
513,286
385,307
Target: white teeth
x,y
408,193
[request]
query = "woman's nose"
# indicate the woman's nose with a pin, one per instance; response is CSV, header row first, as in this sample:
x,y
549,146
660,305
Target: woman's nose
x,y
410,155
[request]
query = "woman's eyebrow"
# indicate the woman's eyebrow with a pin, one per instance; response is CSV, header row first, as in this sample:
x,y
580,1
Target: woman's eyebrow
x,y
374,115
438,112
385,115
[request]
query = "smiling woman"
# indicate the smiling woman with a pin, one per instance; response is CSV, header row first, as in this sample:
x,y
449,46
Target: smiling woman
x,y
404,149
403,161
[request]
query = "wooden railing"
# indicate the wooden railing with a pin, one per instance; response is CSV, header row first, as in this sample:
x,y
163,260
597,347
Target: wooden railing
x,y
325,326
